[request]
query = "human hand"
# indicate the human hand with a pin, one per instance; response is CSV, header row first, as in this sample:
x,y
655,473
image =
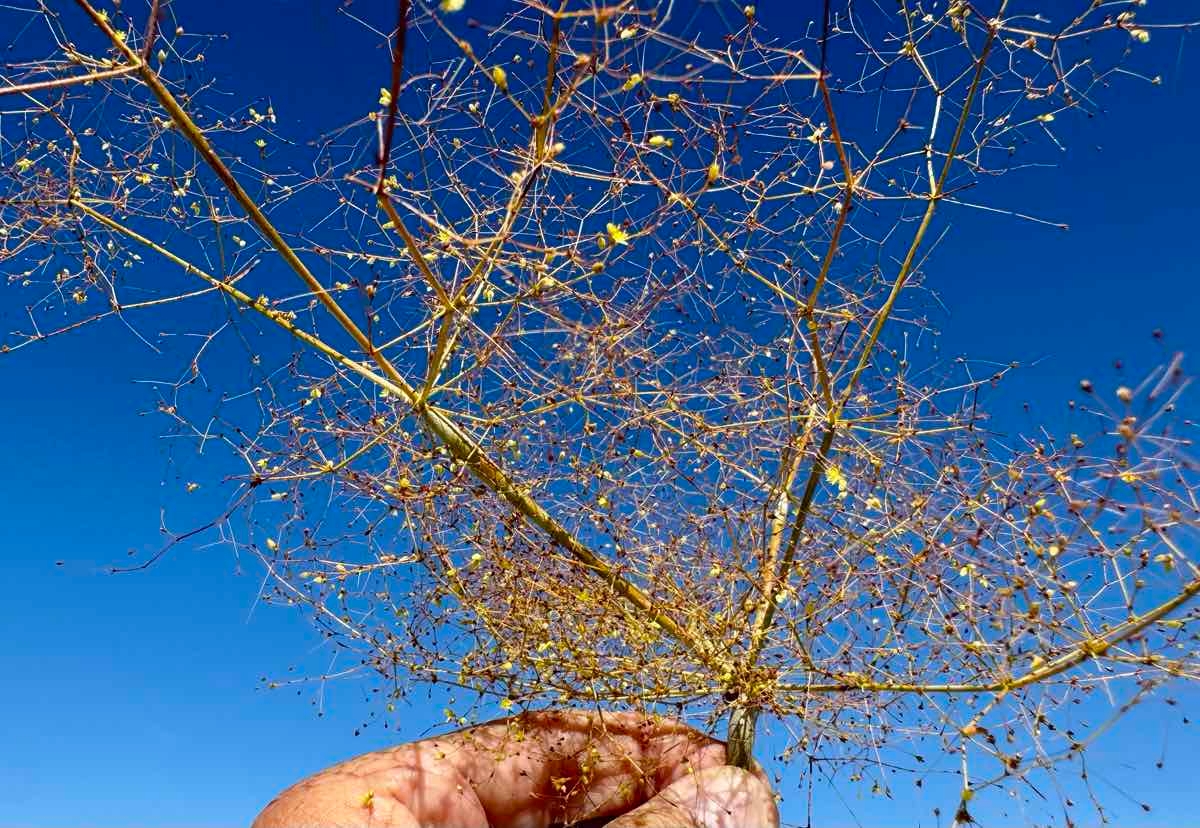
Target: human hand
x,y
535,770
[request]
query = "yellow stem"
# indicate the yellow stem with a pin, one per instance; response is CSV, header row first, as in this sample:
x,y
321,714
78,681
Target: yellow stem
x,y
1083,651
461,445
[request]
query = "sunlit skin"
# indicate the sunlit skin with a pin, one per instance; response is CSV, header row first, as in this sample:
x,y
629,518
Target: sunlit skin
x,y
536,770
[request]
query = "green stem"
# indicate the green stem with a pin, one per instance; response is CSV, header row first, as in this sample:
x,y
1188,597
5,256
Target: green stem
x,y
739,742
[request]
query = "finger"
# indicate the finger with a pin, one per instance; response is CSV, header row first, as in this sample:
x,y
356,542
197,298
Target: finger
x,y
332,805
406,787
719,797
567,766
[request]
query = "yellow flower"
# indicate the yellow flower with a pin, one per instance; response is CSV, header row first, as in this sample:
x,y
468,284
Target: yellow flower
x,y
500,78
633,81
834,477
618,235
385,97
453,5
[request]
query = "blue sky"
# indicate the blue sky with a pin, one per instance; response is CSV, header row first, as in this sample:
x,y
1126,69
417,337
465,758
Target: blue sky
x,y
135,700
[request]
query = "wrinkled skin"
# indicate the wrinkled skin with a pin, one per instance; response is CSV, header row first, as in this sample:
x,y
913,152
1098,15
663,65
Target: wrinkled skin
x,y
536,770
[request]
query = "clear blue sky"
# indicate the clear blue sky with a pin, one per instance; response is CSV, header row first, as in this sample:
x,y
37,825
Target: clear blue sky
x,y
135,700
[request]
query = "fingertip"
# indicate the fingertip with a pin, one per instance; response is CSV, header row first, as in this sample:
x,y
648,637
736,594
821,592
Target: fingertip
x,y
735,798
715,797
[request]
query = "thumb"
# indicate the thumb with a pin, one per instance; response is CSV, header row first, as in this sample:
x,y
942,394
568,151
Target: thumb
x,y
717,797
